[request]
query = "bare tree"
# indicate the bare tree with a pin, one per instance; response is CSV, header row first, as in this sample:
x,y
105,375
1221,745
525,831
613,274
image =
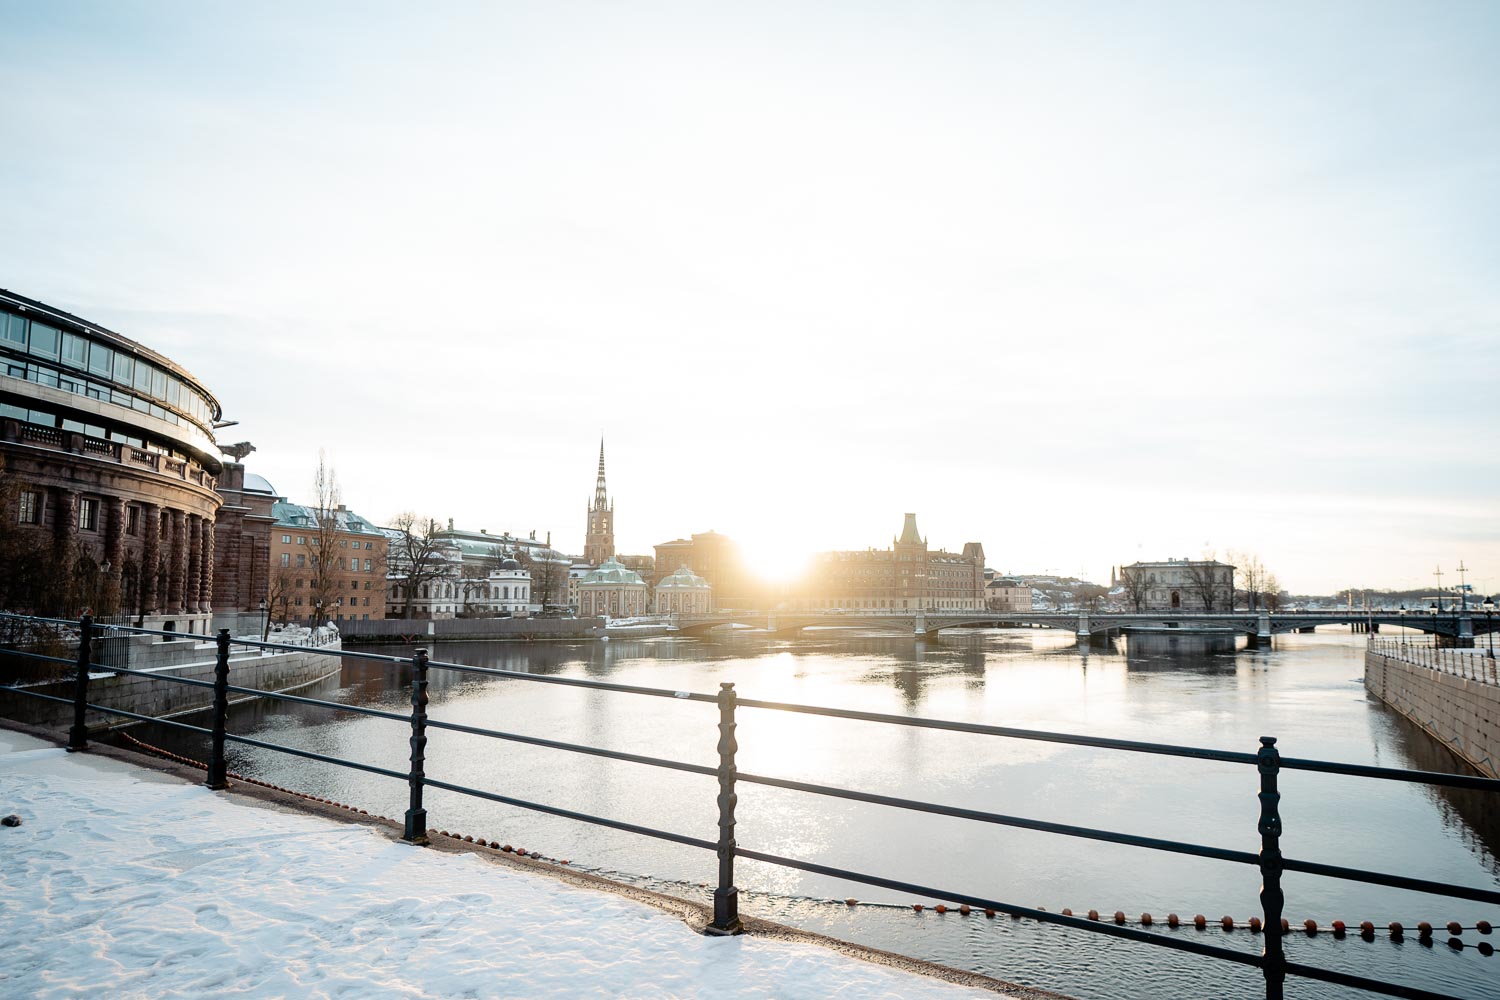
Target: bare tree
x,y
324,541
415,553
1271,595
1204,580
548,576
1136,586
278,592
1250,575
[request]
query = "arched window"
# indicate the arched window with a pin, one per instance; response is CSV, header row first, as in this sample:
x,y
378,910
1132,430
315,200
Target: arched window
x,y
507,592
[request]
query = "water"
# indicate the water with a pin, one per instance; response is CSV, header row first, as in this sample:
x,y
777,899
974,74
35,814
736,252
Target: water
x,y
1306,691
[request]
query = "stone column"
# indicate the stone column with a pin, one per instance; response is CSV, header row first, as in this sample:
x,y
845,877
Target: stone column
x,y
192,586
176,561
150,555
64,519
114,539
206,587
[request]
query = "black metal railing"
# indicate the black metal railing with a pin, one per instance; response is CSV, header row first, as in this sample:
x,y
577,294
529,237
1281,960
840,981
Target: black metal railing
x,y
1267,760
1474,664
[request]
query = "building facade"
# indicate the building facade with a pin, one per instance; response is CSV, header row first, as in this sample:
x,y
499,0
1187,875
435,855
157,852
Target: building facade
x,y
242,539
1004,593
1186,584
684,593
109,466
718,560
337,574
612,591
599,539
908,576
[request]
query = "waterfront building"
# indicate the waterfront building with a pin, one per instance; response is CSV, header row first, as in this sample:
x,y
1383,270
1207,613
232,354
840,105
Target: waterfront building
x,y
717,559
908,576
1186,584
684,593
242,537
643,567
110,466
1005,593
326,565
599,543
612,590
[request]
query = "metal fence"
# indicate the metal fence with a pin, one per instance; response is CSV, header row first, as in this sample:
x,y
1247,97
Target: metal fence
x,y
1266,760
1472,664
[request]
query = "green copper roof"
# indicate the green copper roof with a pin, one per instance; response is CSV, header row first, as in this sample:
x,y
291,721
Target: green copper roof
x,y
909,534
611,573
683,579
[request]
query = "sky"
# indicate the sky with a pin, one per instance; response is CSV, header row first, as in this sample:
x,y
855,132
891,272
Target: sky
x,y
1087,283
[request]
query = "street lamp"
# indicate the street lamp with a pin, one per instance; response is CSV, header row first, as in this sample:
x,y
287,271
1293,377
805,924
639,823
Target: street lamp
x,y
1402,613
265,620
1489,622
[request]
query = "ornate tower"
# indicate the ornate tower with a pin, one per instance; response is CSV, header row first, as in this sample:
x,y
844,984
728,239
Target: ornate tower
x,y
599,543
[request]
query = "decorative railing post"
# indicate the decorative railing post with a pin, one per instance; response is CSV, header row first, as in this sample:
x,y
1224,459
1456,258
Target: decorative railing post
x,y
218,777
726,896
416,816
1272,899
78,736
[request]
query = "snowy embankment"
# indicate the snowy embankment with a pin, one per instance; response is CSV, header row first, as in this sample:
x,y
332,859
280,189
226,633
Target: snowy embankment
x,y
125,882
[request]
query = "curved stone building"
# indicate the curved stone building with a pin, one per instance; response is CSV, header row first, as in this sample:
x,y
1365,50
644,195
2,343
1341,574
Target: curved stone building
x,y
612,590
684,593
109,463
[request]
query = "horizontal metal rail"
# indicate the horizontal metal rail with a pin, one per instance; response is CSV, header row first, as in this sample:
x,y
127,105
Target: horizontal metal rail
x,y
613,824
38,694
633,758
577,682
149,718
303,700
312,755
37,656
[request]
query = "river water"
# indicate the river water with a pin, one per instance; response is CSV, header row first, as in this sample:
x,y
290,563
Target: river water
x,y
1306,691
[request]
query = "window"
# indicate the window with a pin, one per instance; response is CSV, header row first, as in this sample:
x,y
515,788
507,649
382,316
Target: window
x,y
75,350
44,340
301,560
88,514
124,368
299,583
301,539
31,507
286,559
15,330
101,360
132,520
367,565
286,539
369,545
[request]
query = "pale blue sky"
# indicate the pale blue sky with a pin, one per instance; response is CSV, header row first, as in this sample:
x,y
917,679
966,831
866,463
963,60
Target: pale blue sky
x,y
1085,282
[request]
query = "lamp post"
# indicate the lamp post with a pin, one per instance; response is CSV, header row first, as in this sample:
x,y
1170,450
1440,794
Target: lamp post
x,y
1434,609
1402,613
1489,618
265,620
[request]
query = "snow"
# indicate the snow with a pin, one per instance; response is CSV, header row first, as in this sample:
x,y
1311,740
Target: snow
x,y
125,882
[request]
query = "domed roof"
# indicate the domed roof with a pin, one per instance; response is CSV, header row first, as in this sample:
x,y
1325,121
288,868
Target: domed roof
x,y
683,579
611,573
509,564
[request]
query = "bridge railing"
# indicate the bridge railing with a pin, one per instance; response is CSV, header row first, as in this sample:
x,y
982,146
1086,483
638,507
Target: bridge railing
x,y
1265,759
1475,664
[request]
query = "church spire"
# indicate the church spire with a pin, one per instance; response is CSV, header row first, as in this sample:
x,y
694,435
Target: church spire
x,y
601,495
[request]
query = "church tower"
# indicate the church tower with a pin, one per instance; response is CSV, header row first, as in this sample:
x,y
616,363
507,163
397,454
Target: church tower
x,y
600,537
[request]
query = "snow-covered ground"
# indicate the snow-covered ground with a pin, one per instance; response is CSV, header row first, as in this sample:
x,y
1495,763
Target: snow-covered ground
x,y
125,882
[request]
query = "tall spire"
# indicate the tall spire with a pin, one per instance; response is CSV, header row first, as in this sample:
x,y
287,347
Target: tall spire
x,y
601,495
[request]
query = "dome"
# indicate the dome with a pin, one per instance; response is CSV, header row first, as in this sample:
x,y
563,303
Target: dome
x,y
611,573
259,484
509,564
683,579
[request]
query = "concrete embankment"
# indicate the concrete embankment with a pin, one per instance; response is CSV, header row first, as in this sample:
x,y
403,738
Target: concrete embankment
x,y
1463,713
157,695
424,630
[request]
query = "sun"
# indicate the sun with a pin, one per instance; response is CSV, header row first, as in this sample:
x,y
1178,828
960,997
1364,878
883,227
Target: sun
x,y
776,558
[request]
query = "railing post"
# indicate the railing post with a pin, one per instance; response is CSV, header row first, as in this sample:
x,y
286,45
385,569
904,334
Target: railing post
x,y
78,736
726,896
1272,899
218,777
416,816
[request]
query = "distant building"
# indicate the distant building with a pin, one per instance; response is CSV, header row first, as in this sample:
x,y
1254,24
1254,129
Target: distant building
x,y
599,539
684,593
242,539
905,577
612,590
642,566
1004,593
717,559
1203,585
355,584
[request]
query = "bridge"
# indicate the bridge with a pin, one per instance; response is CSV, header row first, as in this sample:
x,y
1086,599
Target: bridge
x,y
1260,626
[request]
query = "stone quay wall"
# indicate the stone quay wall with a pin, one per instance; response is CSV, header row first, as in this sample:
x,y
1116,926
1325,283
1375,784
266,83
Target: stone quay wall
x,y
1462,713
159,697
420,630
